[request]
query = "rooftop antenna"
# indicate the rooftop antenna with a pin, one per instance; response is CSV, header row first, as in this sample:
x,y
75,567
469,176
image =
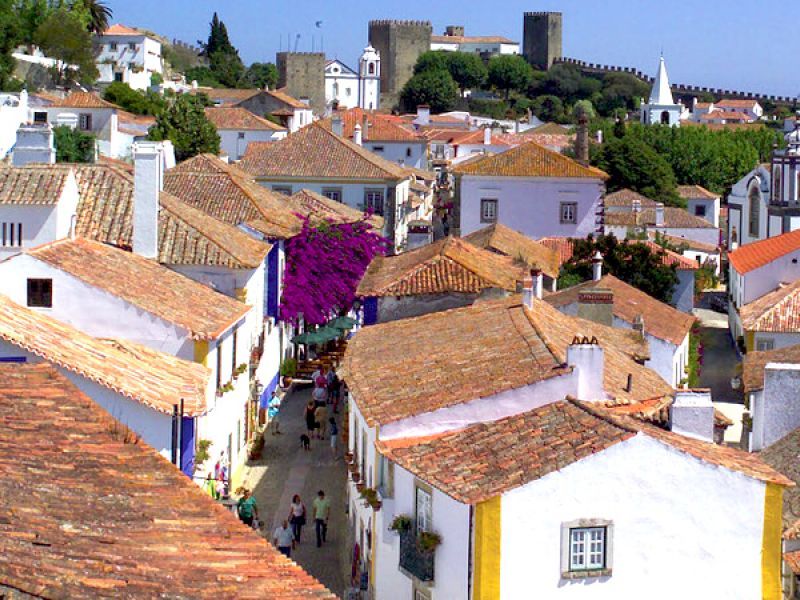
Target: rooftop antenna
x,y
321,37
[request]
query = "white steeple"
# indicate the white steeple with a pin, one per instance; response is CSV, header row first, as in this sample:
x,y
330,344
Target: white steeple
x,y
661,93
369,78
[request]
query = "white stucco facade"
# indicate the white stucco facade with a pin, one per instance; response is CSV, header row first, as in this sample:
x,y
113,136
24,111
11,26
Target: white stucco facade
x,y
234,142
13,113
774,408
705,208
406,154
349,88
131,59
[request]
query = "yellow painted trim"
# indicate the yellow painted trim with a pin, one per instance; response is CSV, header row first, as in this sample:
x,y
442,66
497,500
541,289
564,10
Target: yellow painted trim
x,y
201,352
374,517
488,525
771,559
750,340
237,477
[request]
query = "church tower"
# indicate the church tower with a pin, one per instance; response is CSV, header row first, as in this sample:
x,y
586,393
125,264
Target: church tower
x,y
369,79
661,107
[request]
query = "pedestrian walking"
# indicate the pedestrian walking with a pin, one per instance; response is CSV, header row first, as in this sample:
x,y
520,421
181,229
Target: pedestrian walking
x,y
297,516
334,436
321,417
210,486
221,488
333,389
247,508
311,421
273,413
283,538
322,509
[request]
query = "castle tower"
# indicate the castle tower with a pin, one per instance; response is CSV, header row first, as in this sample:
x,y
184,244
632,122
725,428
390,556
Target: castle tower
x,y
541,38
303,76
399,45
661,107
369,79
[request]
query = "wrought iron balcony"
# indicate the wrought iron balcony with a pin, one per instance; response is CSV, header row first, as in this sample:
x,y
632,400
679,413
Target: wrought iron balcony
x,y
413,560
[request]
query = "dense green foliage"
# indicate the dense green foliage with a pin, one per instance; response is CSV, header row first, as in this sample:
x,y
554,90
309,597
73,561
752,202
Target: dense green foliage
x,y
509,72
261,75
466,69
435,88
224,62
9,37
139,103
73,146
99,15
65,37
629,261
184,123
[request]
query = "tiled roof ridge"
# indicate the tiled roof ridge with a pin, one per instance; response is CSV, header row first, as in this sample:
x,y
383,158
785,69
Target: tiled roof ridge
x,y
554,350
381,163
603,414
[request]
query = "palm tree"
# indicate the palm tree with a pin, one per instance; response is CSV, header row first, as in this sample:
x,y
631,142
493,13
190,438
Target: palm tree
x,y
99,14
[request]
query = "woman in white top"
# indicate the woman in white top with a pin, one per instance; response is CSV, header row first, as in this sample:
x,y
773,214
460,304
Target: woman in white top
x,y
297,516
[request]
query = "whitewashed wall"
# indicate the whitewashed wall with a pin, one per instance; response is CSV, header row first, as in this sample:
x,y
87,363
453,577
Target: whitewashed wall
x,y
235,147
398,153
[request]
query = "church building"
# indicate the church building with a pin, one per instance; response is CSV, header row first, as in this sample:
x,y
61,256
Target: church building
x,y
661,108
346,88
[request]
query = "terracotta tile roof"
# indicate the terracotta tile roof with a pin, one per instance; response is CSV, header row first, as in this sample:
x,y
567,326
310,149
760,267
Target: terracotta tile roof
x,y
689,244
145,284
776,312
32,184
754,362
529,160
674,218
479,351
724,126
380,129
155,379
236,117
450,265
504,240
471,39
226,96
703,104
556,142
84,100
732,103
314,152
792,560
422,174
626,198
548,129
660,320
135,125
696,191
87,513
307,202
720,420
727,115
565,248
488,459
282,96
793,531
757,254
119,29
782,456
115,162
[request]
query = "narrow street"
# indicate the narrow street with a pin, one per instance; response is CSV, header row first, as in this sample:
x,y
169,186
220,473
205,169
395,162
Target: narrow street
x,y
284,470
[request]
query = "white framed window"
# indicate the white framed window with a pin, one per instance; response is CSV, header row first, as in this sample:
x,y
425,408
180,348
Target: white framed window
x,y
240,135
112,46
333,194
132,46
699,210
423,512
377,148
488,210
85,121
568,213
763,345
373,200
586,548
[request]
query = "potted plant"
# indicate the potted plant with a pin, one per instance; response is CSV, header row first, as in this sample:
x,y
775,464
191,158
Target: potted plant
x,y
202,455
288,371
400,524
427,541
370,496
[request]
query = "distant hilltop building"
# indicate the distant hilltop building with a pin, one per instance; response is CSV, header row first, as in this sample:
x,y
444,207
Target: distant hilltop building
x,y
127,55
661,108
346,88
399,44
487,46
542,38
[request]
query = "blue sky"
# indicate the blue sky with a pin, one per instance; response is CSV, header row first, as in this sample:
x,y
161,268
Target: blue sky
x,y
732,45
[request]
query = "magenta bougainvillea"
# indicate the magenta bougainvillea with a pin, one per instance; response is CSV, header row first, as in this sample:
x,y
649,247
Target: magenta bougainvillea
x,y
324,264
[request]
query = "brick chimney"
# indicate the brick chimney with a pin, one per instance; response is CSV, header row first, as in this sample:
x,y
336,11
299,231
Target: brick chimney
x,y
148,181
586,357
597,305
582,141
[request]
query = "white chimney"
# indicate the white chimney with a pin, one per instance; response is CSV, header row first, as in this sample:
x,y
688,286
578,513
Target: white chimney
x,y
34,145
587,359
148,181
692,414
536,274
659,215
357,135
195,85
423,115
528,291
337,126
597,266
487,136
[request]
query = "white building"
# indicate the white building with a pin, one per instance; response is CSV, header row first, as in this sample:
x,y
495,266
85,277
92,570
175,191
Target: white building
x,y
701,203
129,56
531,189
661,108
13,113
667,220
237,127
454,40
346,88
734,111
474,459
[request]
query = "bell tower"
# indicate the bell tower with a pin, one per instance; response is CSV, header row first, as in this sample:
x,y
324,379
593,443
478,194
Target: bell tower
x,y
369,79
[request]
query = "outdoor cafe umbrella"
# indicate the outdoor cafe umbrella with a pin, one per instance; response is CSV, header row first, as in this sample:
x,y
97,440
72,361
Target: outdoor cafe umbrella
x,y
342,323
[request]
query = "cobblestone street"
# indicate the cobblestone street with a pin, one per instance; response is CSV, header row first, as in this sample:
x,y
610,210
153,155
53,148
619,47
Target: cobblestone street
x,y
286,469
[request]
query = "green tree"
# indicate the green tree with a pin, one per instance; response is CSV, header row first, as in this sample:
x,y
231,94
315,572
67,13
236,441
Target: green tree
x,y
633,164
632,262
467,70
184,123
621,90
217,38
139,103
432,60
31,14
203,76
548,108
73,146
583,108
64,37
9,37
509,72
224,60
261,75
99,15
434,88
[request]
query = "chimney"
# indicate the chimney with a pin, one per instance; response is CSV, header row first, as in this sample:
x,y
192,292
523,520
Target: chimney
x,y
597,305
536,274
528,291
365,128
692,414
587,359
582,141
597,266
638,325
659,215
34,145
487,136
148,181
357,135
423,115
337,126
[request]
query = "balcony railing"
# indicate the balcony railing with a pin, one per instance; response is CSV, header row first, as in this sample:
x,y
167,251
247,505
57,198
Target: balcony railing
x,y
413,560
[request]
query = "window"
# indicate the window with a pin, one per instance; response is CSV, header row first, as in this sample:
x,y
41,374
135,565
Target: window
x,y
11,235
422,514
385,477
586,548
333,194
699,210
85,121
377,148
335,90
219,364
282,189
132,46
371,69
233,351
776,183
373,200
488,210
754,197
40,117
40,293
112,46
568,212
762,345
348,91
240,135
665,117
118,76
